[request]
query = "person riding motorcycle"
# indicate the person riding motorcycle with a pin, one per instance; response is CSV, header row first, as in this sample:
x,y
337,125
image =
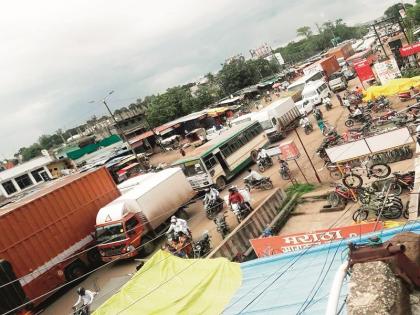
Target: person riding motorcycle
x,y
235,196
86,298
357,112
178,225
327,101
304,121
262,155
254,176
211,194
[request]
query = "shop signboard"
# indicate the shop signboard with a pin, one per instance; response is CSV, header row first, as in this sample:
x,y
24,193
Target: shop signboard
x,y
274,245
387,70
363,70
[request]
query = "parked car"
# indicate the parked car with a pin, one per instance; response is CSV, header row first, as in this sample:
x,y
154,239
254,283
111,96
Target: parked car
x,y
337,82
348,73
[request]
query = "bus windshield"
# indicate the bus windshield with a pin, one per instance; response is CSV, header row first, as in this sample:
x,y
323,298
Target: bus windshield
x,y
192,168
110,233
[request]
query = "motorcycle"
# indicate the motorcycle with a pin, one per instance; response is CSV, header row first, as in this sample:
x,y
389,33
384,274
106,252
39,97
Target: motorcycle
x,y
404,96
241,211
361,118
221,225
308,128
202,247
264,163
284,171
213,207
265,183
80,310
366,129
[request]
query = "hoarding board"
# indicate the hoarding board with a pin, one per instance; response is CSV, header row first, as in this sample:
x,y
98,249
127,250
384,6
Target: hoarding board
x,y
387,70
274,245
363,70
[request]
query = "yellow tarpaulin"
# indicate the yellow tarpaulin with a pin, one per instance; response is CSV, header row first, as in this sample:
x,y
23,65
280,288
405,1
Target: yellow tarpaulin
x,y
392,87
170,285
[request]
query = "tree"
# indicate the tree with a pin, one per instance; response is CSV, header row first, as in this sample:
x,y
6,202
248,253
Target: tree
x,y
394,10
304,31
236,75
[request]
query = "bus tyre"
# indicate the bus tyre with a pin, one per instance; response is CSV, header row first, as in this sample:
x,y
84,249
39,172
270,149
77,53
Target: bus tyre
x,y
75,270
221,183
147,246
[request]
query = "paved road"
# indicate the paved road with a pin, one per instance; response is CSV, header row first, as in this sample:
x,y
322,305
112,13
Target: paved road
x,y
307,217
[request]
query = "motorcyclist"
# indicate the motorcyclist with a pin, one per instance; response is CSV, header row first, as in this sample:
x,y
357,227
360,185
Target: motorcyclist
x,y
262,155
211,194
327,101
357,113
254,176
304,121
235,196
178,225
86,298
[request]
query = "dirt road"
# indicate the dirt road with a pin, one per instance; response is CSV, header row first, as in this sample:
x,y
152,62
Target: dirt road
x,y
306,218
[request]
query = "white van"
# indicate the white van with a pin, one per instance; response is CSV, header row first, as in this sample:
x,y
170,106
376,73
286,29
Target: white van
x,y
314,92
300,83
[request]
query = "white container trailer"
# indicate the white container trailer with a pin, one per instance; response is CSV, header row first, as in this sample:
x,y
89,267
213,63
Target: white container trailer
x,y
132,220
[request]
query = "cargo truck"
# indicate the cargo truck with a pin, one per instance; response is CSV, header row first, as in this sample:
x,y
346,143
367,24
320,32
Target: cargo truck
x,y
128,225
327,66
276,119
47,237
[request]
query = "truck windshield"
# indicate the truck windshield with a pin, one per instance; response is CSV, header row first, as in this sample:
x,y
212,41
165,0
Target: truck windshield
x,y
192,168
266,124
110,233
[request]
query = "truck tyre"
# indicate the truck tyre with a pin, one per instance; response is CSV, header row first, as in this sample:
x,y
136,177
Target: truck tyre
x,y
220,183
147,246
182,214
94,257
75,270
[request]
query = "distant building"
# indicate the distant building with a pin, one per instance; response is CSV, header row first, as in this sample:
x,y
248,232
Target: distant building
x,y
25,176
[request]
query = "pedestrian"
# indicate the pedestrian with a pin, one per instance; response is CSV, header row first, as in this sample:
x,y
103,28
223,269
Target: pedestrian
x,y
346,104
182,151
319,119
340,100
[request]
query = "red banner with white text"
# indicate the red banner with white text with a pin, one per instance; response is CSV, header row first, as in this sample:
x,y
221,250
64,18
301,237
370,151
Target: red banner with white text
x,y
292,242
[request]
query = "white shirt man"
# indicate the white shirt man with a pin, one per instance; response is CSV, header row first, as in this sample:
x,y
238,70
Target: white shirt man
x,y
178,225
346,103
304,121
254,175
86,298
357,112
262,154
327,100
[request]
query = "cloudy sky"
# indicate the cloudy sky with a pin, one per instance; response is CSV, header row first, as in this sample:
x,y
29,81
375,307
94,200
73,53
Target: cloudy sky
x,y
57,56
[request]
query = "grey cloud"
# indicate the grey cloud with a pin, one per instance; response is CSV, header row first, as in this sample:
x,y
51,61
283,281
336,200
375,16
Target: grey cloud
x,y
59,57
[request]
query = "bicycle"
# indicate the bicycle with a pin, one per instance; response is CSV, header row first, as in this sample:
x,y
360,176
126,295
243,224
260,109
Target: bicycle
x,y
354,180
391,210
341,194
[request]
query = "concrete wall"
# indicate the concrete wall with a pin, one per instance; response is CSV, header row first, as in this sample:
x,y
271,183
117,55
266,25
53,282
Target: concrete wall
x,y
237,242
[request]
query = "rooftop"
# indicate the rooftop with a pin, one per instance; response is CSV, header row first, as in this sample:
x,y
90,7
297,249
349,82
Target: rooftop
x,y
25,167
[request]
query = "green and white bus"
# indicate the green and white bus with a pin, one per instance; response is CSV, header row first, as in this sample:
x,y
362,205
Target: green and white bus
x,y
220,159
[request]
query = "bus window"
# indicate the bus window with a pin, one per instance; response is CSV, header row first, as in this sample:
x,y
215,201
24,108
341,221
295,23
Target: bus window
x,y
210,161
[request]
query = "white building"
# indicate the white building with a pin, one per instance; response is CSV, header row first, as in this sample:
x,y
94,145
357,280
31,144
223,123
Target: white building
x,y
25,176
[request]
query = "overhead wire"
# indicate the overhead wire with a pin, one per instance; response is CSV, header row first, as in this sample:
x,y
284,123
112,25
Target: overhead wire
x,y
92,271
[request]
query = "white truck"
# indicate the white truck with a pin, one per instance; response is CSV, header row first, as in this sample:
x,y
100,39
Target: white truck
x,y
276,119
142,212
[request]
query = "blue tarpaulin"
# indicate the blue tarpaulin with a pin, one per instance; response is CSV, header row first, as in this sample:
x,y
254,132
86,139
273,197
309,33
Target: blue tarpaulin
x,y
296,282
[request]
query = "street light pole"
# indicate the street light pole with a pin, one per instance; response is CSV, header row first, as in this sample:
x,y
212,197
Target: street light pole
x,y
119,130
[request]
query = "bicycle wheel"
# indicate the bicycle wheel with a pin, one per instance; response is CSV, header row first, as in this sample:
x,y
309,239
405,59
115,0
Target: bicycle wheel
x,y
364,197
395,189
406,213
336,174
352,181
392,212
334,199
360,214
380,170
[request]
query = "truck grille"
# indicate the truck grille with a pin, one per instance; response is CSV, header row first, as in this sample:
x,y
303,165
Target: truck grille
x,y
113,251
